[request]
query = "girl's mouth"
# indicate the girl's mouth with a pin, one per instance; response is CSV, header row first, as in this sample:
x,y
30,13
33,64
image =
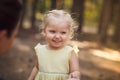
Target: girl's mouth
x,y
56,41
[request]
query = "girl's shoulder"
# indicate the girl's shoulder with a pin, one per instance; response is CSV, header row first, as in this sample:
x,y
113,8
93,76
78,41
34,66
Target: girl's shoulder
x,y
69,48
73,48
39,46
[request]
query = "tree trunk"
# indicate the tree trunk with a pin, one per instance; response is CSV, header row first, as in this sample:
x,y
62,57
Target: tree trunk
x,y
104,20
60,4
53,4
116,36
42,4
33,12
77,13
23,13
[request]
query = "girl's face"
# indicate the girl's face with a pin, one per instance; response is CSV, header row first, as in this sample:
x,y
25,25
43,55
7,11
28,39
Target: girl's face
x,y
56,34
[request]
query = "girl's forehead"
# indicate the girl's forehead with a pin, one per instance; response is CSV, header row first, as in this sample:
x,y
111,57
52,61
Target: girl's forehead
x,y
58,24
57,20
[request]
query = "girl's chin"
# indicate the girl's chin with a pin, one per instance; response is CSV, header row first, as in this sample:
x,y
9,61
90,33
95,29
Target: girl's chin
x,y
56,47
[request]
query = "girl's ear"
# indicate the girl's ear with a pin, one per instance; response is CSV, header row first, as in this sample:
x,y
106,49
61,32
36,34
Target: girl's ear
x,y
43,32
2,34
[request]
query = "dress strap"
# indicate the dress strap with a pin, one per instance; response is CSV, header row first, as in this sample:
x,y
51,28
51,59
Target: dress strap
x,y
38,45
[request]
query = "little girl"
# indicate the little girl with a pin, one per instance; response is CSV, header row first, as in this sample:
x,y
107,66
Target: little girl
x,y
56,60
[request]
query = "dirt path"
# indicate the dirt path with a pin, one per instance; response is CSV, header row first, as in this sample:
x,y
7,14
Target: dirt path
x,y
17,63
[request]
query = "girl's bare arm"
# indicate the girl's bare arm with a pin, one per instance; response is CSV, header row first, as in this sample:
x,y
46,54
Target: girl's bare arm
x,y
74,67
33,73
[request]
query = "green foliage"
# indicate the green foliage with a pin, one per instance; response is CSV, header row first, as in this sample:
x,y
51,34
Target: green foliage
x,y
92,12
48,4
68,4
43,5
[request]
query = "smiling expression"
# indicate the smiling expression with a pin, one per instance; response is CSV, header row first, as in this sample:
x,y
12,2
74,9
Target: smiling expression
x,y
56,34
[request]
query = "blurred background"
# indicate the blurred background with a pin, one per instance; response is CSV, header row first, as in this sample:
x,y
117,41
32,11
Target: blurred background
x,y
97,37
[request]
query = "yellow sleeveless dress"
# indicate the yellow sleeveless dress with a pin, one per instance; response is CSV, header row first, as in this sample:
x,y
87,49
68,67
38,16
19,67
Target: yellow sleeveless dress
x,y
53,64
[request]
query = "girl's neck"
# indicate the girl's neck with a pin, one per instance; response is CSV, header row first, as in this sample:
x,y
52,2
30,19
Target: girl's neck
x,y
54,48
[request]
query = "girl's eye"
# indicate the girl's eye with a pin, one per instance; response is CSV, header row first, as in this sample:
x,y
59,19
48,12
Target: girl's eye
x,y
63,32
52,31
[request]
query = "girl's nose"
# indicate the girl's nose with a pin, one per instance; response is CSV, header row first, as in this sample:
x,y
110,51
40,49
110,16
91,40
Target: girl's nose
x,y
57,35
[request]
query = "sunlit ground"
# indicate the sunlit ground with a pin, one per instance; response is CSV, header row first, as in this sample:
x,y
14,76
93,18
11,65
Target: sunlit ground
x,y
108,54
104,58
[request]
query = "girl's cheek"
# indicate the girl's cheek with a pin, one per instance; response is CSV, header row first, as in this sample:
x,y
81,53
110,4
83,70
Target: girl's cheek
x,y
65,38
51,35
